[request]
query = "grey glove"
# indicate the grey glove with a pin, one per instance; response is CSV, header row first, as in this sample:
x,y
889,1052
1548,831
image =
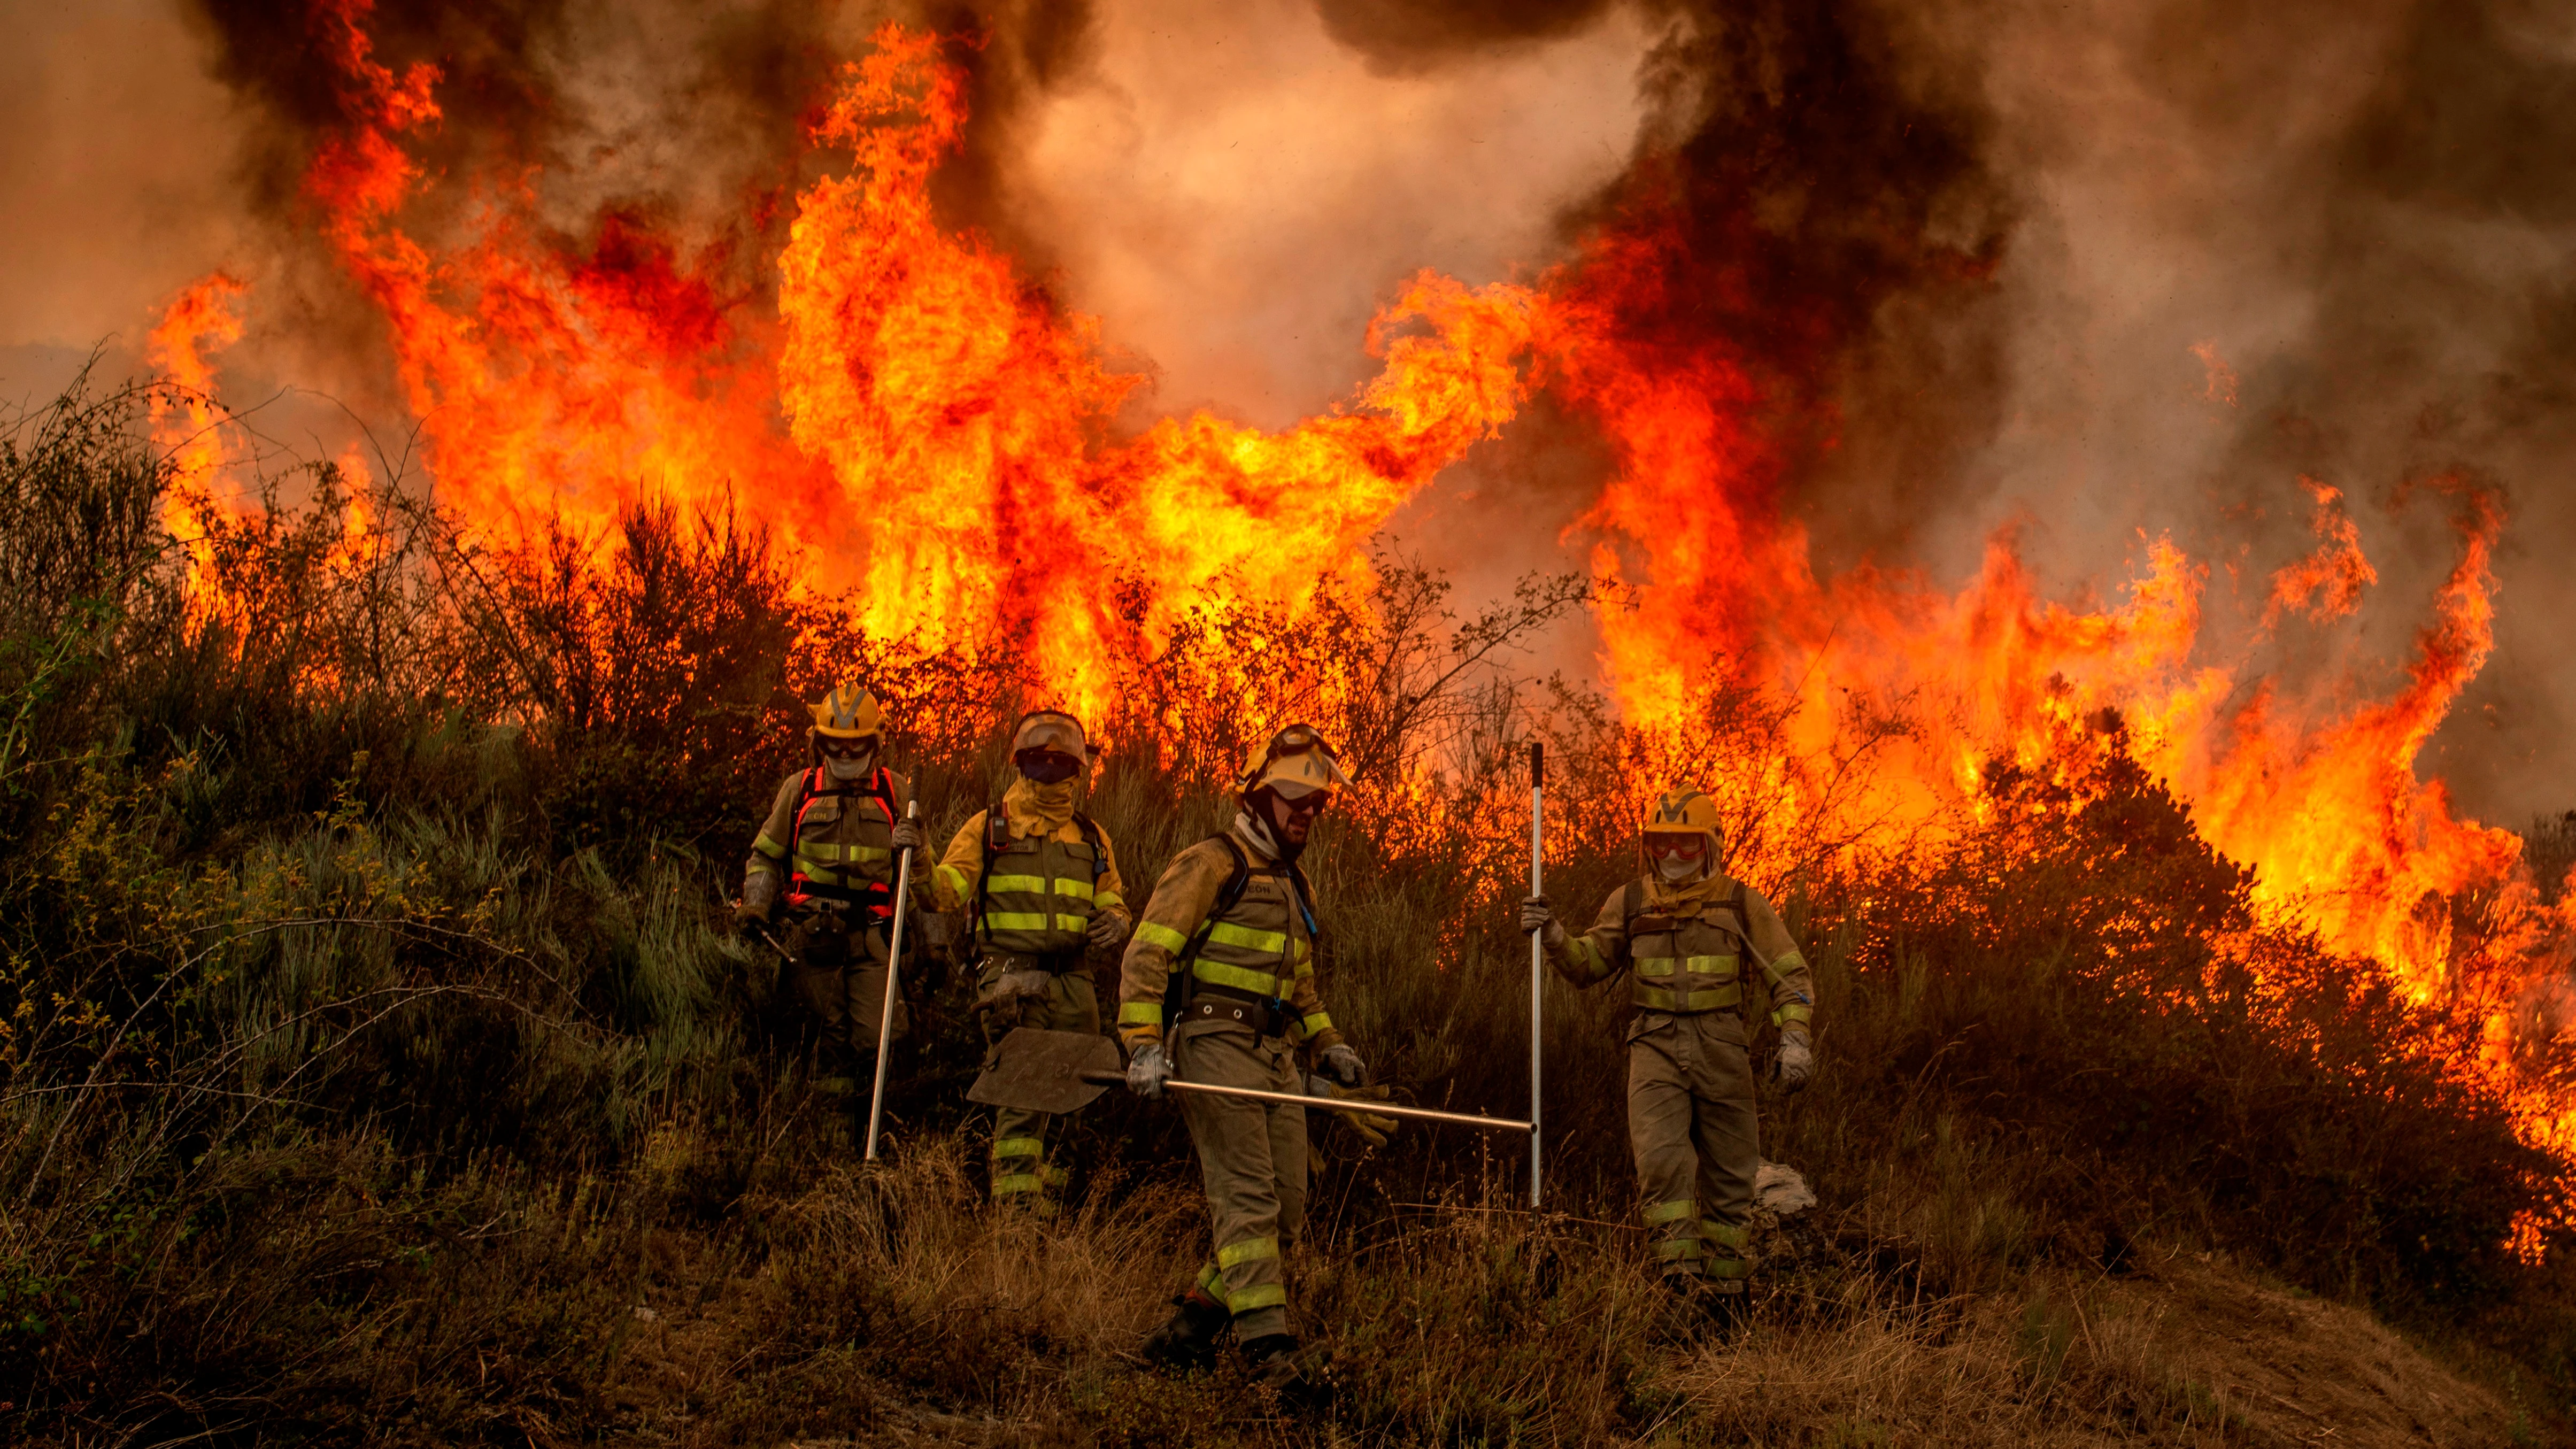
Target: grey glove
x,y
1148,1070
1108,931
907,836
1535,916
1795,1063
1344,1065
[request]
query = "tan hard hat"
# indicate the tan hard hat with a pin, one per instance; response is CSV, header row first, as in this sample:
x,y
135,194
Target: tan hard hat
x,y
1051,729
849,712
1297,762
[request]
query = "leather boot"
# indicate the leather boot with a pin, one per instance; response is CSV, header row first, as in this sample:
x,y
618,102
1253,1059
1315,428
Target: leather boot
x,y
1187,1340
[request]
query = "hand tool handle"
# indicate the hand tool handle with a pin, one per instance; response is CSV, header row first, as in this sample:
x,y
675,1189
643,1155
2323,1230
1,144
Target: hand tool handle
x,y
1538,949
1327,1104
894,968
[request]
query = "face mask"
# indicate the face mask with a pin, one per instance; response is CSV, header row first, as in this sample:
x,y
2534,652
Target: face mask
x,y
1678,868
849,769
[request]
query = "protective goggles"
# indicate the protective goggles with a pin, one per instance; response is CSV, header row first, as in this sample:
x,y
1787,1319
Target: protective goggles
x,y
1047,766
1685,845
839,748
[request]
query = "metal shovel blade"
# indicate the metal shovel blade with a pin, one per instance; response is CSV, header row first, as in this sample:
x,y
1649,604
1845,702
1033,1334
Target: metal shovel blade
x,y
1041,1071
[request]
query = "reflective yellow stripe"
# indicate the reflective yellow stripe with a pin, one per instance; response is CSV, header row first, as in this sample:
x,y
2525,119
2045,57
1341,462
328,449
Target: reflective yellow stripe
x,y
768,847
1717,1232
1305,969
813,871
1229,934
865,854
1078,889
1246,1251
1724,1268
1011,1184
1109,901
1014,921
1318,1024
1784,1015
1588,960
955,879
1211,1282
1140,1013
1019,1147
1073,923
1217,973
1305,949
1657,965
1264,1295
1029,885
1667,1212
1672,1248
1709,965
1170,940
1788,959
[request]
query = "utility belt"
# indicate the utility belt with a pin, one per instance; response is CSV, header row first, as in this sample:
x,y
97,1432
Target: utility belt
x,y
1266,1015
877,901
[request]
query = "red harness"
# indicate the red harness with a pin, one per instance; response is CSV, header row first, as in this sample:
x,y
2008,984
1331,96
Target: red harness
x,y
876,897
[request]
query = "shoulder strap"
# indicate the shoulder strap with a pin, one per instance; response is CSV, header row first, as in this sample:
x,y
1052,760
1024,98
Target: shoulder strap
x,y
996,835
1228,897
1302,892
1099,852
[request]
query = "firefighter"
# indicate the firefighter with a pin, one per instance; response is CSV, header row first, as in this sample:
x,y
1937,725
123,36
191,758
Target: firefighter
x,y
1219,986
1036,888
826,858
1692,937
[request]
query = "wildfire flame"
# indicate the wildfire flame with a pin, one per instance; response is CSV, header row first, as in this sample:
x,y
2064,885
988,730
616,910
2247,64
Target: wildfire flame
x,y
947,461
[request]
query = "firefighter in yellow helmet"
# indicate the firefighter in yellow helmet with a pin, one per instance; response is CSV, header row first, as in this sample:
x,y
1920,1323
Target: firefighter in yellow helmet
x,y
825,861
1219,986
1037,886
1692,938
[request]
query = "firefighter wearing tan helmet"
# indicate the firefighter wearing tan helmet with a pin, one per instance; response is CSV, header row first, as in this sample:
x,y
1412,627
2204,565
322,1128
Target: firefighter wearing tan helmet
x,y
1219,986
1035,884
1692,938
823,865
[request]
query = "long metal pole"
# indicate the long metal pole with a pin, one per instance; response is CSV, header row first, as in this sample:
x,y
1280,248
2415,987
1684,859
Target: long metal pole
x,y
1326,1104
1538,952
894,969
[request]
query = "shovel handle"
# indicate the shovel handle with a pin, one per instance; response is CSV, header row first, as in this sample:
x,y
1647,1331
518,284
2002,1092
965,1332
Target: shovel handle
x,y
1327,1104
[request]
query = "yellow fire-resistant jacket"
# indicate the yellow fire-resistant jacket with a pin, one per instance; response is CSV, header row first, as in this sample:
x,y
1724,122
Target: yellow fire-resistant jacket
x,y
1689,958
1047,900
834,840
1261,945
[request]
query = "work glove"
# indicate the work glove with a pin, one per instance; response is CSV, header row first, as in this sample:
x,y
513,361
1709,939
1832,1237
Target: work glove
x,y
1535,916
1013,987
1795,1063
1108,931
1148,1070
1371,1129
907,836
1344,1065
759,903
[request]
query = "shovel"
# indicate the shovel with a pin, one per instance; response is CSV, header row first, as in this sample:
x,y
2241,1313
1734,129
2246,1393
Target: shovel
x,y
1064,1071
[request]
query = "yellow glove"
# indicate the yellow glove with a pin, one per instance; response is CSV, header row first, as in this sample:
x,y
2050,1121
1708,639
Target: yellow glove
x,y
1372,1129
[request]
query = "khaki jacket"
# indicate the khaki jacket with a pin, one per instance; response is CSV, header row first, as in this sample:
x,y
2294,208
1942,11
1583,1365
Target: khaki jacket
x,y
1263,938
1686,962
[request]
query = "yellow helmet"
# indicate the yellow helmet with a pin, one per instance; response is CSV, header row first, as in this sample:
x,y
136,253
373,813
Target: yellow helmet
x,y
849,712
1686,812
1297,761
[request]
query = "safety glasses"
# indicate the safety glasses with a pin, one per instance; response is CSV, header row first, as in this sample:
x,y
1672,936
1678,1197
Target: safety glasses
x,y
847,749
1683,847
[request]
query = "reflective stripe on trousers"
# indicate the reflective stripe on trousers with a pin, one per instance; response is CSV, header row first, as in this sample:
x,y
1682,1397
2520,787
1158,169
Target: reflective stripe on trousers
x,y
1691,1125
1252,1163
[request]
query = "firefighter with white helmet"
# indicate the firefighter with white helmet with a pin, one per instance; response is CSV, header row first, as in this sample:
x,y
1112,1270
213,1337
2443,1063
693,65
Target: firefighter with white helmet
x,y
1691,938
1219,986
824,866
1036,886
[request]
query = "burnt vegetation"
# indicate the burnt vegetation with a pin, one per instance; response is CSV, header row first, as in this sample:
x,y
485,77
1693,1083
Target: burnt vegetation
x,y
375,1064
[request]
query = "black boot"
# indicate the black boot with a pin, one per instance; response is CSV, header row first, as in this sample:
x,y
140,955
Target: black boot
x,y
1277,1363
1187,1340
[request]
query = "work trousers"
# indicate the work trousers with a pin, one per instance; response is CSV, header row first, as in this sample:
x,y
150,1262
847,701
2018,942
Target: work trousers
x,y
1691,1125
1252,1162
840,976
1022,1176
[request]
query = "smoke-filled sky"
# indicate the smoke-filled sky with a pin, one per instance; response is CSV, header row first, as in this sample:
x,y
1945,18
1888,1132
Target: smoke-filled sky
x,y
2095,268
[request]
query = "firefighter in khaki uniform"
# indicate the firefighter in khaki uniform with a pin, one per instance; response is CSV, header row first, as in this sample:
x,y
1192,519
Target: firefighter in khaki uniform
x,y
1038,888
1228,941
835,828
1683,931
